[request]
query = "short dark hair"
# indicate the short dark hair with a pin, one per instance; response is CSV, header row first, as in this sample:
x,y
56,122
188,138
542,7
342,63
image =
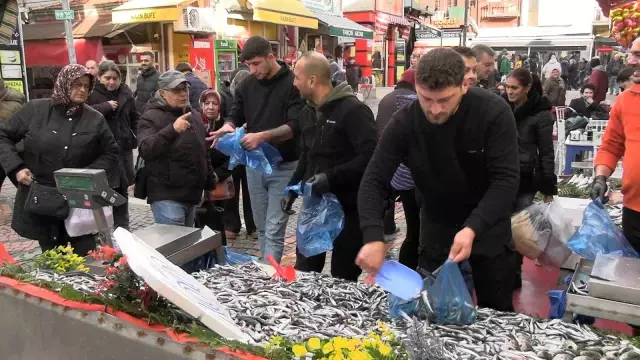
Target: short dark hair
x,y
108,65
256,46
150,54
522,76
594,62
440,68
483,49
466,52
241,58
588,86
184,66
625,74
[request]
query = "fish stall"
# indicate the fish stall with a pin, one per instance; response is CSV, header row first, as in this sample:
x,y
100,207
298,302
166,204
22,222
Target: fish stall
x,y
242,311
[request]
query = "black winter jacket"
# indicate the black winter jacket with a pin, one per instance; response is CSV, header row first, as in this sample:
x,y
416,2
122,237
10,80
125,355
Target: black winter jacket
x,y
53,141
338,139
123,122
196,87
388,106
582,109
147,85
178,163
535,145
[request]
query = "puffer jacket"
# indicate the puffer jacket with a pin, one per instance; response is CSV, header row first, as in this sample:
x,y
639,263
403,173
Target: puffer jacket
x,y
10,103
196,87
147,85
178,164
388,105
123,121
535,145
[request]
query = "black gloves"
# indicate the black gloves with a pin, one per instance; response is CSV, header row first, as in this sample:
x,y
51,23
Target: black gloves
x,y
287,202
599,188
319,184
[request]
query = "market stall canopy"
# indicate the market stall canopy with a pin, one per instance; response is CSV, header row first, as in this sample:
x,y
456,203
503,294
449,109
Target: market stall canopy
x,y
140,11
53,52
341,26
86,28
284,12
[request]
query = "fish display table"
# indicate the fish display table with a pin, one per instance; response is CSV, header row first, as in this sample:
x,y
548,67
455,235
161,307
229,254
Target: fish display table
x,y
608,288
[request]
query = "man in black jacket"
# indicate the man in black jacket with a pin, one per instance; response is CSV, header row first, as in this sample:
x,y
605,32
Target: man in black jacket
x,y
338,139
196,86
460,144
147,82
585,105
268,103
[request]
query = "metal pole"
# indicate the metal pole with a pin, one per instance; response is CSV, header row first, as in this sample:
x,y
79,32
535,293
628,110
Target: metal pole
x,y
24,68
68,30
466,23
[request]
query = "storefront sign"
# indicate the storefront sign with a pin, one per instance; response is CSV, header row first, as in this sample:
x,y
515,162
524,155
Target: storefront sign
x,y
336,31
394,7
424,32
145,15
177,286
181,44
447,23
225,44
284,19
11,60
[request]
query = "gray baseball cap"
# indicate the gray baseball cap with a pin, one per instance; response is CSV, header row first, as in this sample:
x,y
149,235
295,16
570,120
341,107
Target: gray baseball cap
x,y
171,79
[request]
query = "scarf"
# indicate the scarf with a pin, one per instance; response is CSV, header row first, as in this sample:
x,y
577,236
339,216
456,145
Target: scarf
x,y
203,97
64,82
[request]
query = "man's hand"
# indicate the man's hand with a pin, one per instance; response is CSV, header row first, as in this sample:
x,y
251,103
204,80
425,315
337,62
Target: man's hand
x,y
287,202
114,104
462,244
214,136
548,198
253,140
319,184
182,123
589,100
599,189
25,177
371,257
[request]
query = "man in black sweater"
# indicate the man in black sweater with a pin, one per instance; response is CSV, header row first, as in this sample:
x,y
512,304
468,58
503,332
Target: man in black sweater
x,y
268,103
338,139
460,144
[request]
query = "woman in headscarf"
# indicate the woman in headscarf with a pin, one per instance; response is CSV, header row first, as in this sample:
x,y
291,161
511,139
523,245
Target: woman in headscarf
x,y
60,132
115,101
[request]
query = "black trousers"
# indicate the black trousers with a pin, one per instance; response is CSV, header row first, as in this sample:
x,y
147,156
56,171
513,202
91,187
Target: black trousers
x,y
81,244
409,250
493,275
345,250
232,221
211,214
121,213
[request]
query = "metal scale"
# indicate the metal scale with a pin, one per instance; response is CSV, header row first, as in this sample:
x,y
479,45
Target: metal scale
x,y
89,189
613,289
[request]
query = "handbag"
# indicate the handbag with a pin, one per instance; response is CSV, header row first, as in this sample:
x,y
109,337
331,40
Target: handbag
x,y
46,200
225,189
140,179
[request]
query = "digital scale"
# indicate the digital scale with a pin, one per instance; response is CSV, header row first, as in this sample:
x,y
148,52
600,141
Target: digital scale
x,y
89,189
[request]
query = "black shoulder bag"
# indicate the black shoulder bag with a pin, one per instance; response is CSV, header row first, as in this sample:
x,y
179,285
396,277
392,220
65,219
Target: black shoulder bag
x,y
46,200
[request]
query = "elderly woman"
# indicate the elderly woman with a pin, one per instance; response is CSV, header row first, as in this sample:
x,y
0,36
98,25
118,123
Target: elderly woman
x,y
115,101
59,132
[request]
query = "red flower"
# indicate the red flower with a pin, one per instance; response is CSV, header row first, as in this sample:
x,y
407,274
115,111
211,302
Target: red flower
x,y
123,261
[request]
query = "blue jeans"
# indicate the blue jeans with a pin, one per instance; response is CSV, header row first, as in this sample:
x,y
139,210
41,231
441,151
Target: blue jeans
x,y
613,85
266,191
171,212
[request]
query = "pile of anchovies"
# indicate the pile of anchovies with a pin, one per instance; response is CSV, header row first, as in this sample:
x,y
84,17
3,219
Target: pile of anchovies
x,y
317,305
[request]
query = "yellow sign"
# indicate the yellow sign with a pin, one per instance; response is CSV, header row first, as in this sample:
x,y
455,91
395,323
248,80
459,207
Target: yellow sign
x,y
181,48
446,22
17,85
10,57
284,19
145,15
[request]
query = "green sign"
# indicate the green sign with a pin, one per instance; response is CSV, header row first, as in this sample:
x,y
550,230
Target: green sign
x,y
65,15
226,44
358,34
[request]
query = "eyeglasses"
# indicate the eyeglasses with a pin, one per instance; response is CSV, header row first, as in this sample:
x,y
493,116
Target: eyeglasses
x,y
180,89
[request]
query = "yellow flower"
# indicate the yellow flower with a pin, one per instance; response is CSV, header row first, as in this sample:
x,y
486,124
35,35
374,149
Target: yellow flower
x,y
337,356
355,342
384,349
314,344
299,350
340,343
327,348
358,355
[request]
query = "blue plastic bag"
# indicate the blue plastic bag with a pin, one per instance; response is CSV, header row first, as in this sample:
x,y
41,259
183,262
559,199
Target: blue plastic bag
x,y
558,300
234,258
599,235
263,159
320,221
396,305
449,297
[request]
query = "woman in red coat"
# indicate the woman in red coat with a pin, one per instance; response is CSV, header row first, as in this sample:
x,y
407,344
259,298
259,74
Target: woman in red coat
x,y
600,79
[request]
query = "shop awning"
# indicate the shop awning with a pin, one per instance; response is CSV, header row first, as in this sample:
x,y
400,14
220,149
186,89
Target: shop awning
x,y
284,12
87,28
54,52
341,26
141,11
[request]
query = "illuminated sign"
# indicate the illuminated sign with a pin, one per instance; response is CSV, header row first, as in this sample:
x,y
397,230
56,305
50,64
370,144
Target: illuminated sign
x,y
145,15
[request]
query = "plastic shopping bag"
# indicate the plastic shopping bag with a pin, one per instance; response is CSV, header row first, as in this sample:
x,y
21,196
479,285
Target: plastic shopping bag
x,y
81,222
234,258
599,235
320,221
541,232
397,306
263,159
449,299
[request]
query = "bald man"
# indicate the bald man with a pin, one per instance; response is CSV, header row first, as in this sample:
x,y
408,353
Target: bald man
x,y
93,67
338,139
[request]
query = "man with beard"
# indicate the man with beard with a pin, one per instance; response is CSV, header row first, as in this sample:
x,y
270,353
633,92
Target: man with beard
x,y
470,62
268,103
620,141
338,138
486,66
460,144
147,82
